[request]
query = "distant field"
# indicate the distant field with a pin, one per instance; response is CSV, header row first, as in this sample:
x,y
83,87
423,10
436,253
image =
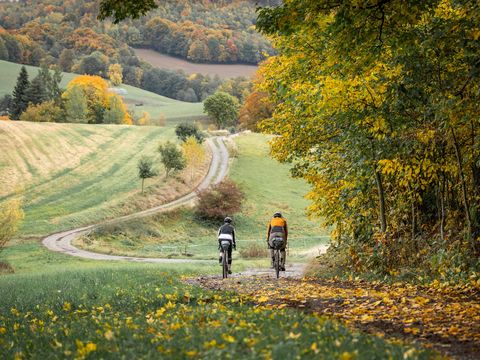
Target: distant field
x,y
156,105
268,187
74,174
169,62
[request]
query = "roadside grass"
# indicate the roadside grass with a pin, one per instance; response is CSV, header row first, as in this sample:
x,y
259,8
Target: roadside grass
x,y
145,311
157,105
76,174
268,188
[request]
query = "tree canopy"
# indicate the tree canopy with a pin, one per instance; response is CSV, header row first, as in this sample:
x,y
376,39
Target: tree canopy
x,y
376,105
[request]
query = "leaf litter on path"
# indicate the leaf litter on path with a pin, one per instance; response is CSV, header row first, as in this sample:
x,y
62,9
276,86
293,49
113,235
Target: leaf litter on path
x,y
439,318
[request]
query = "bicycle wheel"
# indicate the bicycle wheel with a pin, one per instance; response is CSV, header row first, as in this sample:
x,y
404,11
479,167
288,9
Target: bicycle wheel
x,y
277,263
225,264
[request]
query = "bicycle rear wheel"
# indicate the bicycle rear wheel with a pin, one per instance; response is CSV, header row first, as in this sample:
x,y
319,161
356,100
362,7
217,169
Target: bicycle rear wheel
x,y
277,263
225,264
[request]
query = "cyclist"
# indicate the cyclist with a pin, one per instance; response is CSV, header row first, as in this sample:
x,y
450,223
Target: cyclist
x,y
227,232
277,227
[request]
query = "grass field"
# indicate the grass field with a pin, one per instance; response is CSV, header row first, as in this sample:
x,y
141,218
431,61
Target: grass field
x,y
169,62
268,188
157,105
74,174
58,307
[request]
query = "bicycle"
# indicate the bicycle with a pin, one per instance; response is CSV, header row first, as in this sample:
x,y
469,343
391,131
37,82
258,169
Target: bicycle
x,y
277,245
224,245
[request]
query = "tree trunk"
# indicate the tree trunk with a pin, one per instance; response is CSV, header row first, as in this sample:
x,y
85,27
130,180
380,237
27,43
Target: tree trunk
x,y
381,201
466,206
442,209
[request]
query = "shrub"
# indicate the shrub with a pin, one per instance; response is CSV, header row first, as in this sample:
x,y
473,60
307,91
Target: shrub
x,y
10,216
219,201
254,251
186,130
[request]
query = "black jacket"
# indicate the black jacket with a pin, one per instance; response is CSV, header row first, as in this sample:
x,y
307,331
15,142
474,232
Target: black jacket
x,y
227,229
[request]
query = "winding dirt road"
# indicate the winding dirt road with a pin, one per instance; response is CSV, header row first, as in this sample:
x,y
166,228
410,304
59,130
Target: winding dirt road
x,y
62,241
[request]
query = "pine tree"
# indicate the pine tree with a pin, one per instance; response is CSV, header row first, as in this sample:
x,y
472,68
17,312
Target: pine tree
x,y
19,101
36,92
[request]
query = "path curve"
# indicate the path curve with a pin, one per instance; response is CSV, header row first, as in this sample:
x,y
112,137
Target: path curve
x,y
62,241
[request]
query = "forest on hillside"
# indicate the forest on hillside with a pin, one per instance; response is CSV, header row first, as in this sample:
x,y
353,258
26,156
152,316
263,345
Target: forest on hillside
x,y
68,34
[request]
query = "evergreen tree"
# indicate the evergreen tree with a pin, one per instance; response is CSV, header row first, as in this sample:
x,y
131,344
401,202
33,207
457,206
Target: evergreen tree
x,y
19,101
36,92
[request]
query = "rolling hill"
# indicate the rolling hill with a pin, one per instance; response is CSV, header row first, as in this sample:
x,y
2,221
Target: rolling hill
x,y
172,110
74,174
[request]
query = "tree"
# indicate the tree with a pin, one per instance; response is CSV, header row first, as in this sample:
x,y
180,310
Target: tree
x,y
381,118
194,154
76,107
94,64
255,109
11,215
19,98
172,157
102,105
5,105
220,200
145,169
44,112
125,9
115,114
36,92
66,59
222,108
185,130
115,74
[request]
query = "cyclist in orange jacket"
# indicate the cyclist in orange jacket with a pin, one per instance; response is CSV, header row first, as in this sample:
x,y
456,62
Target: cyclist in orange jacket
x,y
277,227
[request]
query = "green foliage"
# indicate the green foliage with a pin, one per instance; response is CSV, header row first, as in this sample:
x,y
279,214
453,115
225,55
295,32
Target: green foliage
x,y
222,108
377,116
11,215
46,111
145,169
76,106
184,130
19,96
120,11
36,92
115,113
220,200
172,157
5,105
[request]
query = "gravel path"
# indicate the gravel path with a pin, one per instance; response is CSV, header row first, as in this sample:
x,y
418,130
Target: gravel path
x,y
62,242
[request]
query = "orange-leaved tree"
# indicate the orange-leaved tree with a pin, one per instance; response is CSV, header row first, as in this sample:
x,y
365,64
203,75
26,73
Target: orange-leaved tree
x,y
103,106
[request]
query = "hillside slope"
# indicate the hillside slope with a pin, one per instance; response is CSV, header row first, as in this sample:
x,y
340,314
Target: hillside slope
x,y
75,174
156,105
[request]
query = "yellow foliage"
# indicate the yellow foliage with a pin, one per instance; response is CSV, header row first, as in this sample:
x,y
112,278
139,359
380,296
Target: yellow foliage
x,y
11,214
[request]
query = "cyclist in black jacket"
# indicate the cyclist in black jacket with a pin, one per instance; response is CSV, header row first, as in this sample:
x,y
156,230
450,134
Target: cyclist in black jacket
x,y
227,232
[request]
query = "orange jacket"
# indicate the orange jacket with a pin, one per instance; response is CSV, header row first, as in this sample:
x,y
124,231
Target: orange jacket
x,y
277,224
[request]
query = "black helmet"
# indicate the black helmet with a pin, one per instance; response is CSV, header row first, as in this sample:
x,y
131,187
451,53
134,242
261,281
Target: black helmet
x,y
277,214
228,220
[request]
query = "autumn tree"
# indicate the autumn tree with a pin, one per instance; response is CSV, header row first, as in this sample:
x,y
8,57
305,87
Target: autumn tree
x,y
11,214
102,105
194,154
19,96
46,111
379,116
172,158
145,169
220,200
222,108
255,109
115,74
